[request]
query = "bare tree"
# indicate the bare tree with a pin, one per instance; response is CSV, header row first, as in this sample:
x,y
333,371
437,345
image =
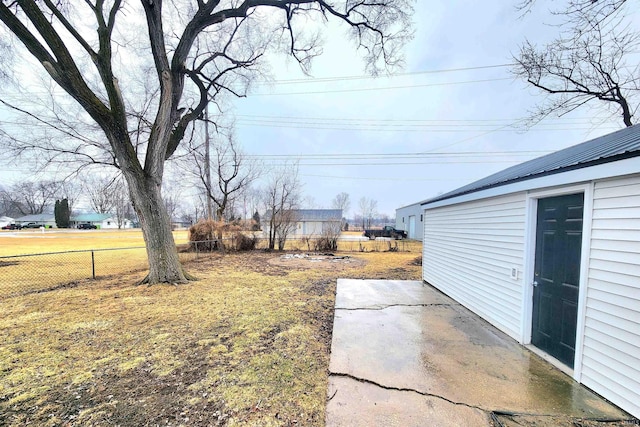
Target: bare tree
x,y
233,174
281,197
102,192
287,221
342,201
121,207
172,201
367,210
7,58
71,190
7,206
592,62
196,56
250,201
31,198
578,13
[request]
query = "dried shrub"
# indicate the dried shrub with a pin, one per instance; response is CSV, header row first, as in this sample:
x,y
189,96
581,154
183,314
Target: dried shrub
x,y
244,243
209,235
326,243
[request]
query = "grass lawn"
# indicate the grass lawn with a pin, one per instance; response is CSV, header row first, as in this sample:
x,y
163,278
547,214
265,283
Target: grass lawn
x,y
53,240
247,344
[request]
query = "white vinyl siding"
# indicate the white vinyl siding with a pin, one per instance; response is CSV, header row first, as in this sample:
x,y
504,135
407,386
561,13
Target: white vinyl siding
x,y
403,216
611,351
469,251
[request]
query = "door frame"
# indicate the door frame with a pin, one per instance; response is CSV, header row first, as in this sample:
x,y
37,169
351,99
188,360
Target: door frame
x,y
529,262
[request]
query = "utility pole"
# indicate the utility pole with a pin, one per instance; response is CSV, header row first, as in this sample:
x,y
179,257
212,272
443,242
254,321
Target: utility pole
x,y
207,163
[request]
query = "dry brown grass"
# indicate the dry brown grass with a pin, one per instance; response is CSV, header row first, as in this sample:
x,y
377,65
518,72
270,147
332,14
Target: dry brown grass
x,y
248,344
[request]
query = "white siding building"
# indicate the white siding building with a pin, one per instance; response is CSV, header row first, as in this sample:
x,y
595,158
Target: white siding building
x,y
549,252
311,222
410,219
101,221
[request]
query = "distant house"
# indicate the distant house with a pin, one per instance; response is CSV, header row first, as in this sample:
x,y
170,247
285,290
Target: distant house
x,y
101,221
5,220
548,251
310,222
43,220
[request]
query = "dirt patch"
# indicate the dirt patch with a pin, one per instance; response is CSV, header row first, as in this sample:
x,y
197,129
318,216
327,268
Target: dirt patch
x,y
322,317
324,261
135,397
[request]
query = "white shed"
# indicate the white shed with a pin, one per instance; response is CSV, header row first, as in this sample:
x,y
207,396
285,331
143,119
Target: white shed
x,y
548,251
410,219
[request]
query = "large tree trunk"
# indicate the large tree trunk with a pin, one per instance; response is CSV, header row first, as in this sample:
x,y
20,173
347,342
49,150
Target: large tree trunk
x,y
164,265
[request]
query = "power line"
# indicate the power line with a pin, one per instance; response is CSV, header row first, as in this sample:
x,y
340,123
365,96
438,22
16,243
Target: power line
x,y
415,73
370,129
395,156
405,125
361,178
384,119
400,163
381,88
259,122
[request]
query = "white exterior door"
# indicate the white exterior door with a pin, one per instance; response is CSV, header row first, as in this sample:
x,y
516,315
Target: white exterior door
x,y
412,227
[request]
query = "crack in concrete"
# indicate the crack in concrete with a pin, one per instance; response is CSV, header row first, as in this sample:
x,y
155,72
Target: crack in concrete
x,y
384,307
402,389
492,413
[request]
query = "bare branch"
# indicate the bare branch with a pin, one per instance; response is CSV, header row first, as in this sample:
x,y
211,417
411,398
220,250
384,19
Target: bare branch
x,y
590,65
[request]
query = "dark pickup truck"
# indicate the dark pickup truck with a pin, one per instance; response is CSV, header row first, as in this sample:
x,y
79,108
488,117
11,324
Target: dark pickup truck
x,y
386,231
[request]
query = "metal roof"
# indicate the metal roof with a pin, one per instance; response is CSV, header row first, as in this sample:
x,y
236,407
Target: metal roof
x,y
313,214
90,217
615,146
319,214
37,218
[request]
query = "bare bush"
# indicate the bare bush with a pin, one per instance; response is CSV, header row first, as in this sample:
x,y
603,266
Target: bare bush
x,y
210,235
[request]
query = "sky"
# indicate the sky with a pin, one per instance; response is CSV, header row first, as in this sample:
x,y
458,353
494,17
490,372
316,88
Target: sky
x,y
451,116
444,121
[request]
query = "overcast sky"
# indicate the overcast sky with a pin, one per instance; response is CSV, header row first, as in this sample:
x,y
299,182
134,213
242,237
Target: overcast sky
x,y
448,118
401,139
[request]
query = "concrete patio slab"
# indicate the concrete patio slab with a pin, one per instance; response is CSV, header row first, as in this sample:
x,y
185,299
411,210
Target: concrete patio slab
x,y
405,354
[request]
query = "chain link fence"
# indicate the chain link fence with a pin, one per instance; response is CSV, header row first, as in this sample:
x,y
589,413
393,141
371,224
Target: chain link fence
x,y
32,273
194,250
24,274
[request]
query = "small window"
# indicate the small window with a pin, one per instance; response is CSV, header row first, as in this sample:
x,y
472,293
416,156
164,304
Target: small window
x,y
420,217
108,222
403,220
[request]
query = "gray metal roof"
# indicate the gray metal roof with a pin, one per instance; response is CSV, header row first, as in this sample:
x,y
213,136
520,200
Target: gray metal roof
x,y
615,146
37,218
319,214
313,214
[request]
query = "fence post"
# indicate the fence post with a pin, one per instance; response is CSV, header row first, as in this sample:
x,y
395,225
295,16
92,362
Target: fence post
x,y
93,266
